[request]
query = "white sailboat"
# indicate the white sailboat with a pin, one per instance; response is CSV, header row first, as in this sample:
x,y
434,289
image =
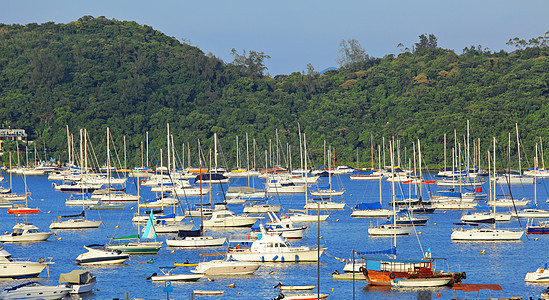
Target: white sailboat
x,y
487,234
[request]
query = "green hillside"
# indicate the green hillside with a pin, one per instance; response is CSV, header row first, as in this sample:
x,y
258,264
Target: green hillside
x,y
96,73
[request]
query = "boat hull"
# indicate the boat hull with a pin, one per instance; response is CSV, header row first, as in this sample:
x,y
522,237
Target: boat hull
x,y
177,277
200,241
75,224
18,270
481,234
292,256
224,267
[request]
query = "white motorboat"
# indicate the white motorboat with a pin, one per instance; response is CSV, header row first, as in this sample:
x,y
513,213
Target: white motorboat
x,y
220,267
285,227
273,248
20,268
226,218
168,276
80,281
74,222
195,213
98,255
35,290
25,232
421,282
541,275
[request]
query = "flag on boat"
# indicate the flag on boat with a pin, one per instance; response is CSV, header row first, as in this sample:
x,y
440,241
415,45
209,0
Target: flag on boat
x,y
149,232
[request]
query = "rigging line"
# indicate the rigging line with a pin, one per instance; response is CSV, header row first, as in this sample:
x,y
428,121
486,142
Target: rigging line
x,y
511,193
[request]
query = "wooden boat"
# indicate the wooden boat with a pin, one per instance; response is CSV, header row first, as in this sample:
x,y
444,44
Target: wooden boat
x,y
203,292
306,296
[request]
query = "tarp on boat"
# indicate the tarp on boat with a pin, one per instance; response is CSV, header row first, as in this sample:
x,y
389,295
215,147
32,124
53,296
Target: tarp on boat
x,y
393,251
76,276
74,216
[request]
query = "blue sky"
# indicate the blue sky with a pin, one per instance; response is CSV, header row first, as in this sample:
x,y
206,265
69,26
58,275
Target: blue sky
x,y
295,33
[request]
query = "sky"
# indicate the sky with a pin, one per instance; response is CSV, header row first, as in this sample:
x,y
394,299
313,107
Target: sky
x,y
298,32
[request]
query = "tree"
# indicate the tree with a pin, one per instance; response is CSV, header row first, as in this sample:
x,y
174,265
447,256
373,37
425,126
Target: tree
x,y
426,42
252,65
352,55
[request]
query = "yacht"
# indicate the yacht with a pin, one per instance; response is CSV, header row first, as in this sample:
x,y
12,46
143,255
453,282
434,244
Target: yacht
x,y
25,232
35,290
98,255
20,268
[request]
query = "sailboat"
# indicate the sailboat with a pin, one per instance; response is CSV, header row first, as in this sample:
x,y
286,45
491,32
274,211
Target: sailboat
x,y
196,238
534,211
384,271
372,210
483,233
137,246
78,221
23,210
303,215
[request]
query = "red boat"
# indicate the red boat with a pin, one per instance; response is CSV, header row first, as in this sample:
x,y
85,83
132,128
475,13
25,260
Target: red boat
x,y
382,271
23,211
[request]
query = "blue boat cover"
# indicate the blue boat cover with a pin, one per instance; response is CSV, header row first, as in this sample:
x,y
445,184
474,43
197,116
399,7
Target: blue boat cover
x,y
372,205
393,251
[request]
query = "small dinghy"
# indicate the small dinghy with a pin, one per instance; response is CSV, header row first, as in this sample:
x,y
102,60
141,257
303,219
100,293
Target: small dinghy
x,y
202,292
294,287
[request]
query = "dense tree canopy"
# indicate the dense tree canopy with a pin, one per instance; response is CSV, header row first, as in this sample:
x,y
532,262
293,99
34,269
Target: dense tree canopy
x,y
96,73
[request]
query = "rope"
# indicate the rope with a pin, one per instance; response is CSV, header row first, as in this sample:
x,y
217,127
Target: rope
x,y
335,257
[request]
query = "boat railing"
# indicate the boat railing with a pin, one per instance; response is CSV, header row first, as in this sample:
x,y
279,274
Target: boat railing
x,y
42,260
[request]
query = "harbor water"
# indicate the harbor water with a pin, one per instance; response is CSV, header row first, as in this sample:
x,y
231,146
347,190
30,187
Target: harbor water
x,y
504,263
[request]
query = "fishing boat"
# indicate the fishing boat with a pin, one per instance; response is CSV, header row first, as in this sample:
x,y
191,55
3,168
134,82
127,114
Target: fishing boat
x,y
19,267
80,281
25,232
272,247
35,290
168,276
98,255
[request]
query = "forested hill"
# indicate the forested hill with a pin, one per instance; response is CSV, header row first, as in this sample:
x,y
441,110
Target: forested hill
x,y
96,73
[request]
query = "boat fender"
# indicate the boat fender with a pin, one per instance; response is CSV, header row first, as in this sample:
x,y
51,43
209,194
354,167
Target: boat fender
x,y
262,258
363,270
282,258
296,258
392,275
275,258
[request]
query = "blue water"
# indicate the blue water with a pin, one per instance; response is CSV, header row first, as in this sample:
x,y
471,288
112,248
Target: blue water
x,y
505,263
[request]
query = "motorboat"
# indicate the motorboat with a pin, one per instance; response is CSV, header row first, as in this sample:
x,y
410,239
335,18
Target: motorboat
x,y
221,267
541,275
78,221
168,276
19,267
35,290
98,255
285,227
80,281
25,232
226,218
273,248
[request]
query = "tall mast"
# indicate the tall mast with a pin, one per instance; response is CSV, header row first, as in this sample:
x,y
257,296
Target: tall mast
x,y
168,146
147,152
518,149
300,147
68,146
